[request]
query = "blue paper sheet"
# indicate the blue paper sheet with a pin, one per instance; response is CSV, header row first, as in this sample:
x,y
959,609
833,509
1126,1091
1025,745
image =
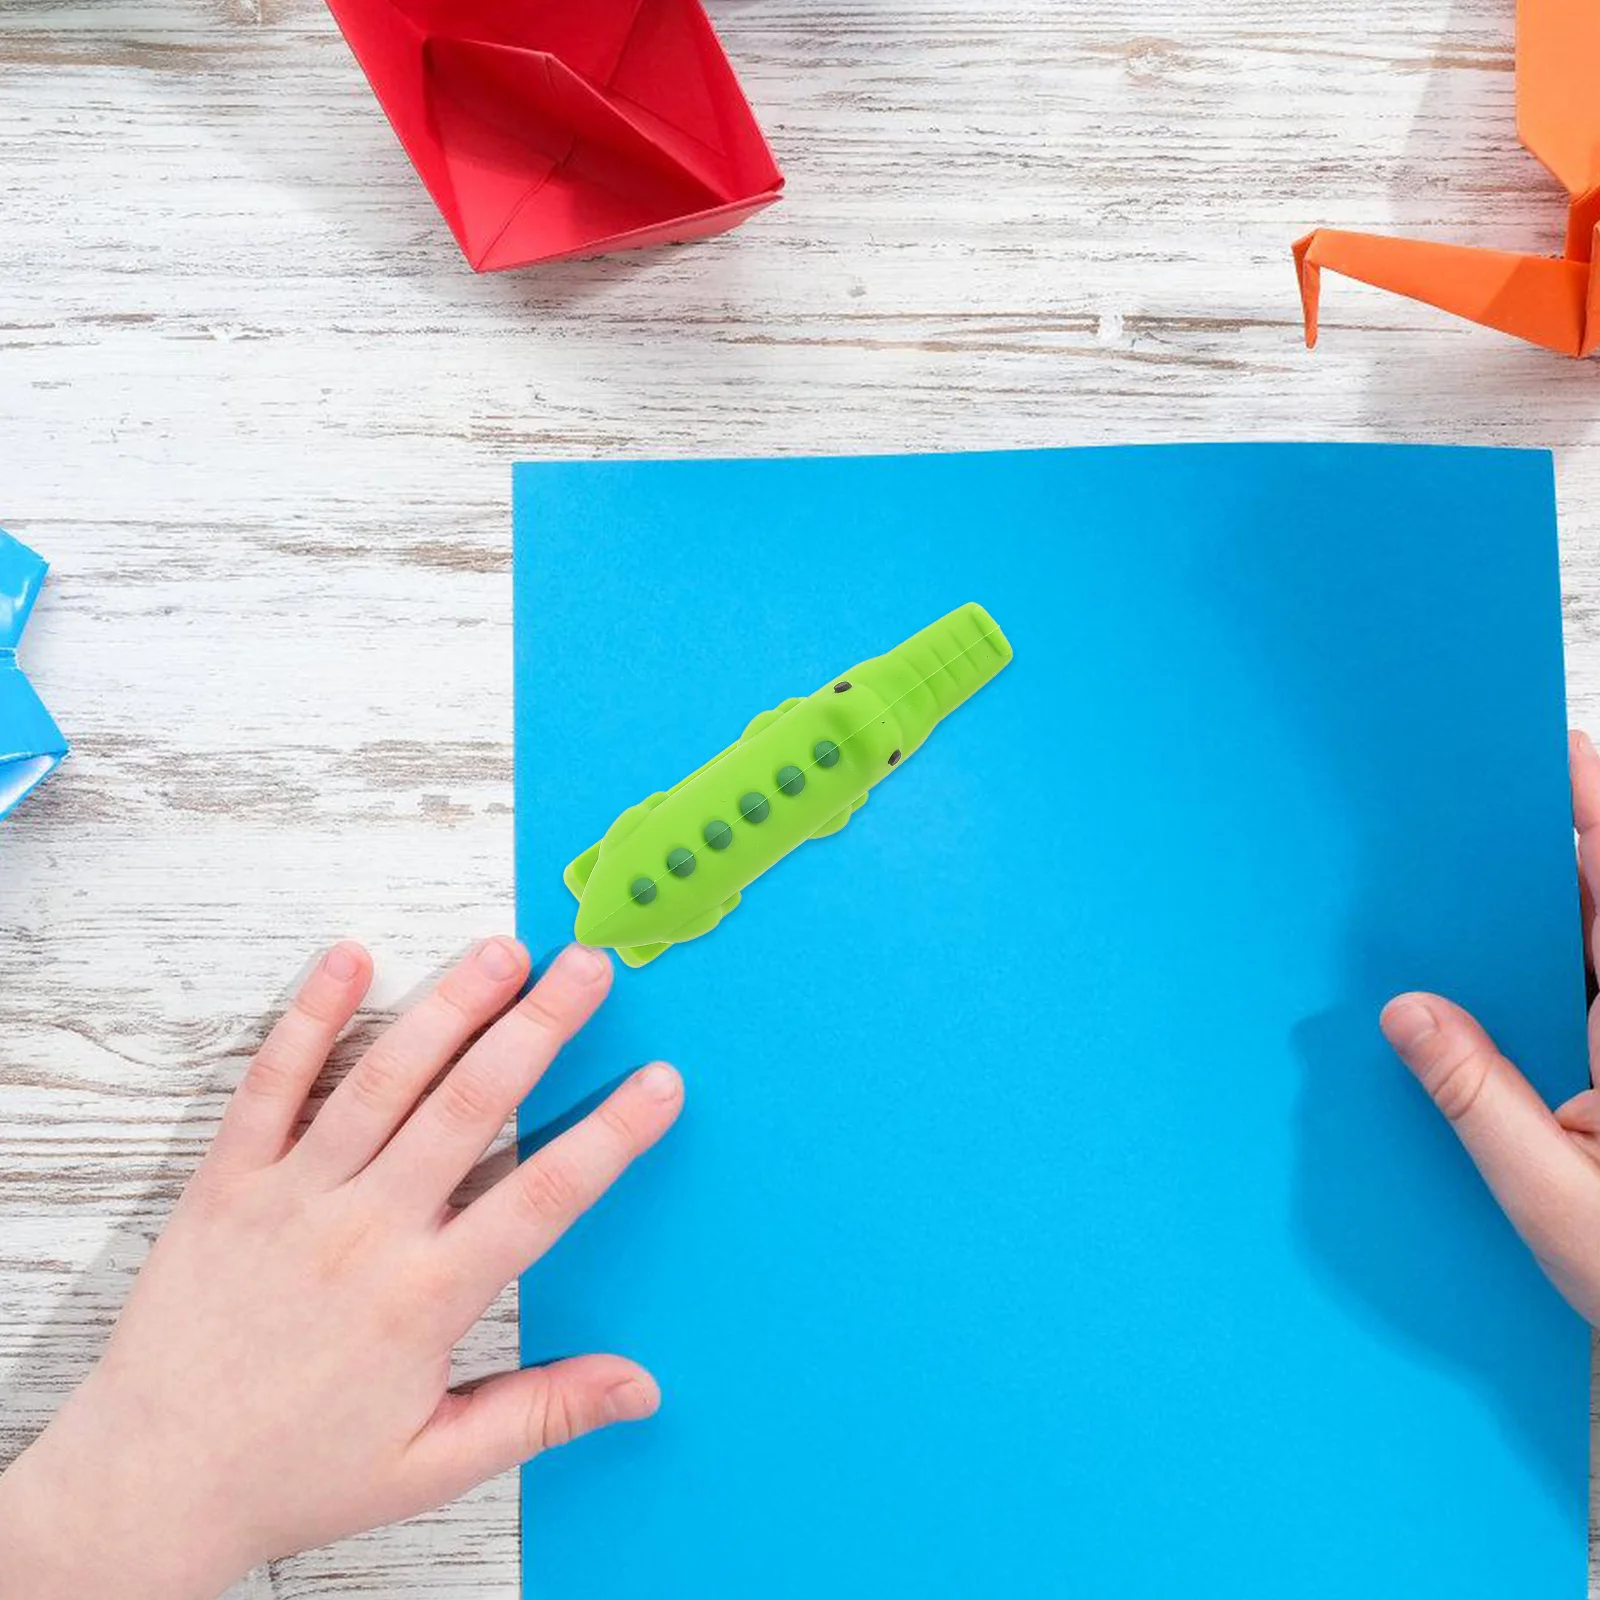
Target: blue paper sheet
x,y
1048,1217
31,745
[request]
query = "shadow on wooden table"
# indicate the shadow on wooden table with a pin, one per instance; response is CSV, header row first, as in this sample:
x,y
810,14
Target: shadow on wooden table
x,y
347,169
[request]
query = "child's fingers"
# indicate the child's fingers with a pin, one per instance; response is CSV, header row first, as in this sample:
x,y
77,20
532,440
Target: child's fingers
x,y
264,1109
1585,766
380,1091
508,1229
451,1129
508,1419
1584,762
1543,1182
1580,1116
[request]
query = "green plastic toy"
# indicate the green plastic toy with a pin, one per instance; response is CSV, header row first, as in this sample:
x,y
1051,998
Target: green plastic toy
x,y
672,867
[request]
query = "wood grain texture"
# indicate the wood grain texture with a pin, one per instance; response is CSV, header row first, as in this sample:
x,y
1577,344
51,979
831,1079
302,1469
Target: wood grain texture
x,y
261,417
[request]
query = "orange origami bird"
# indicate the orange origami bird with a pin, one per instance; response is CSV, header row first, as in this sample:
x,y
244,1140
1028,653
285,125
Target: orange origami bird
x,y
1548,300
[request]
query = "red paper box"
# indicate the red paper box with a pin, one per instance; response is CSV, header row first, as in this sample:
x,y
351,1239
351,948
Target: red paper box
x,y
550,128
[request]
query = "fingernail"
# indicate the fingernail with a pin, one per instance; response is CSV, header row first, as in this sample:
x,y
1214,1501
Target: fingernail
x,y
1406,1022
1585,743
341,963
586,965
659,1081
630,1401
497,959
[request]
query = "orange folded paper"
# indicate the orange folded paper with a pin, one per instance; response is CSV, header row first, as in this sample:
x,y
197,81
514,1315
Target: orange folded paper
x,y
1548,300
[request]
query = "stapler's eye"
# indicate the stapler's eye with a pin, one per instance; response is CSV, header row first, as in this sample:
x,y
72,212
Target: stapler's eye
x,y
894,758
841,686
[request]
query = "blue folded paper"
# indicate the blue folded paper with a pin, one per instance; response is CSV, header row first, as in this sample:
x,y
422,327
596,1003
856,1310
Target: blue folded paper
x,y
31,745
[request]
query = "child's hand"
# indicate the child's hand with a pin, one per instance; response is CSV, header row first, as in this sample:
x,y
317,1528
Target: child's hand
x,y
280,1375
1543,1166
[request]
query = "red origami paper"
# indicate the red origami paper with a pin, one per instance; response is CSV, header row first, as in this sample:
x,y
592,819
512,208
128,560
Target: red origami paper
x,y
550,128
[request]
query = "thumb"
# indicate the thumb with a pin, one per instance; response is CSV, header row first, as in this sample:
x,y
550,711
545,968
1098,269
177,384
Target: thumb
x,y
1542,1181
503,1422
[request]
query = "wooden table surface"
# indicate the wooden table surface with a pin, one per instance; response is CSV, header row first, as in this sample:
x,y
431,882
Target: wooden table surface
x,y
260,417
